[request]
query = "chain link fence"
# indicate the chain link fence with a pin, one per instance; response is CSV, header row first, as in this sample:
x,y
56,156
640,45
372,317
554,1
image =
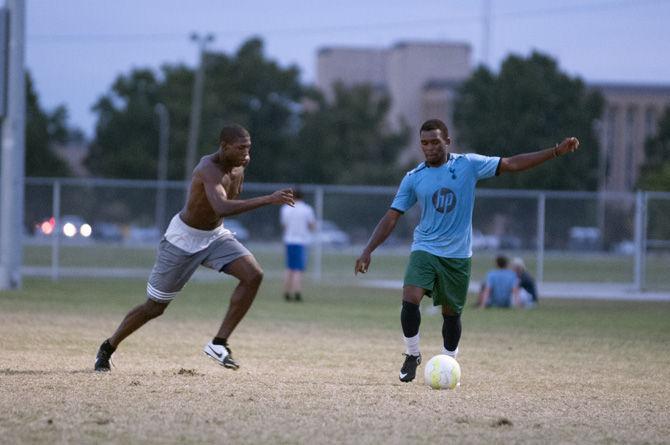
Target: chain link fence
x,y
102,227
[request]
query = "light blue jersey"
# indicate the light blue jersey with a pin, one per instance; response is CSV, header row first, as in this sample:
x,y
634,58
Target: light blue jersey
x,y
501,284
446,195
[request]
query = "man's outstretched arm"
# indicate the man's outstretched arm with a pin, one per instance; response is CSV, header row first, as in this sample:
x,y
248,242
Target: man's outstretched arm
x,y
379,235
216,195
527,161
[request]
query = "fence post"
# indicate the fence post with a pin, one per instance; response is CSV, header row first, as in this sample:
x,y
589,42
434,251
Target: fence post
x,y
318,246
640,240
539,266
55,235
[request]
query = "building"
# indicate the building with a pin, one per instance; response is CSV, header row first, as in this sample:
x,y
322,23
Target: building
x,y
402,71
422,79
630,117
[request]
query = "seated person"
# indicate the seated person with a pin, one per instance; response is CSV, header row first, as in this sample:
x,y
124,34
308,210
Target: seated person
x,y
527,288
502,286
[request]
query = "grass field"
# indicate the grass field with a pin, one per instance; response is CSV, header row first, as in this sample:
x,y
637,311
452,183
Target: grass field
x,y
388,263
325,371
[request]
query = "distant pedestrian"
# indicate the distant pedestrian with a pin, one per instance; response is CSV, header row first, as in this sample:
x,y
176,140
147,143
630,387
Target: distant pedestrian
x,y
298,223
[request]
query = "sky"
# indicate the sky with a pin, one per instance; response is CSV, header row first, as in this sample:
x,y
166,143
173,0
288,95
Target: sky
x,y
76,48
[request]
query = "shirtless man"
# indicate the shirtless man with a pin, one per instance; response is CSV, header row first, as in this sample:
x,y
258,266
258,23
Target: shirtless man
x,y
197,236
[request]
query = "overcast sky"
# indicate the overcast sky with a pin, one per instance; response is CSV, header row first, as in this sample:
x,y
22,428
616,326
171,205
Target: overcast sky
x,y
76,48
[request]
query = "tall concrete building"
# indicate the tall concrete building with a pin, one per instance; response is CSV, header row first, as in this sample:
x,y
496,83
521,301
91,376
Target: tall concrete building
x,y
630,117
422,80
350,67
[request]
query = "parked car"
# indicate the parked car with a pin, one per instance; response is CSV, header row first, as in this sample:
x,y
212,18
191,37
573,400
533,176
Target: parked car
x,y
625,247
511,242
584,238
331,234
484,242
69,226
106,231
241,232
143,235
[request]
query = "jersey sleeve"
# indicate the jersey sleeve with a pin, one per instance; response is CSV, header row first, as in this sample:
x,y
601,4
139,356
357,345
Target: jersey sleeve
x,y
406,196
484,166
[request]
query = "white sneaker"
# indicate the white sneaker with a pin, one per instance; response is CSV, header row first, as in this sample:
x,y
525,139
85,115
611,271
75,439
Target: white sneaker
x,y
221,354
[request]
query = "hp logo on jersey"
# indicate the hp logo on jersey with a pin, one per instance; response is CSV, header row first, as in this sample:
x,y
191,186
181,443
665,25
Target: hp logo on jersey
x,y
444,200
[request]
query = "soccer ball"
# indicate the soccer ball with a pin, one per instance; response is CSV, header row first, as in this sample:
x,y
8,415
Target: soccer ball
x,y
442,372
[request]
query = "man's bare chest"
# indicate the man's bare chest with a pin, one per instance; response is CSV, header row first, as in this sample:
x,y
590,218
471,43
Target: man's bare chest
x,y
232,184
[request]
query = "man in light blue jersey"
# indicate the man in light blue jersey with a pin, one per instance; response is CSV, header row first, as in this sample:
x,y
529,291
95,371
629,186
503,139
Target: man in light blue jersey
x,y
439,263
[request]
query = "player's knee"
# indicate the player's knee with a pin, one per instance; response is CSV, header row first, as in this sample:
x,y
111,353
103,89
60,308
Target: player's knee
x,y
153,309
446,310
254,277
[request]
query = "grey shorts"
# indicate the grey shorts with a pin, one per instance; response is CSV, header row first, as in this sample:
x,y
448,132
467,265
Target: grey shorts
x,y
175,266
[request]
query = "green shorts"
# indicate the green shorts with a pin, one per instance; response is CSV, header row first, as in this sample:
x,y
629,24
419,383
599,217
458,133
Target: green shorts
x,y
446,280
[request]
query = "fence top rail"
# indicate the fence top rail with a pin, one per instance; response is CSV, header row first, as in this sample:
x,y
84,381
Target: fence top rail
x,y
105,182
337,188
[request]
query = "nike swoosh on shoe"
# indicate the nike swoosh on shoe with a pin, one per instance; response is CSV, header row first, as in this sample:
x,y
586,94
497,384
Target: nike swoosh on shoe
x,y
218,354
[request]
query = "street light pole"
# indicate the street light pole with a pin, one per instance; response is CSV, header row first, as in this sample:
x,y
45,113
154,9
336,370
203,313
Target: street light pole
x,y
196,103
163,136
486,33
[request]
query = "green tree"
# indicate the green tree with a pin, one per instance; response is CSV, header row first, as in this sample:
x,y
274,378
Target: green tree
x,y
126,138
655,173
529,105
347,141
43,130
245,87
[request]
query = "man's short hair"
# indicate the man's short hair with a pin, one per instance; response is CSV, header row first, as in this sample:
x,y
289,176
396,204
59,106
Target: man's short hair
x,y
435,124
230,133
501,261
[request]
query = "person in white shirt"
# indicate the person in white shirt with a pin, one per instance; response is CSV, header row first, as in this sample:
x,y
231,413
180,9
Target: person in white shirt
x,y
298,223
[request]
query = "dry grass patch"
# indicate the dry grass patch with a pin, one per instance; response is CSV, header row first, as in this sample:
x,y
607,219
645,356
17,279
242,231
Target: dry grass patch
x,y
304,381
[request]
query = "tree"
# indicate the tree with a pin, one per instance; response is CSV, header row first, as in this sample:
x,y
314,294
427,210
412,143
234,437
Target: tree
x,y
43,130
246,88
348,141
655,173
529,105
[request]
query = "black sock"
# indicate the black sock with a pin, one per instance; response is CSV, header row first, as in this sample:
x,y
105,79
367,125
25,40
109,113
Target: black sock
x,y
287,296
107,347
410,319
298,297
451,331
220,341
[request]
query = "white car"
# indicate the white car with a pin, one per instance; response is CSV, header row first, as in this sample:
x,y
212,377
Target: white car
x,y
484,242
241,232
330,234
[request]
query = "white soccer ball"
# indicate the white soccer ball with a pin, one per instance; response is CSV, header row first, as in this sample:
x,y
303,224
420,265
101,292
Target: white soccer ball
x,y
442,372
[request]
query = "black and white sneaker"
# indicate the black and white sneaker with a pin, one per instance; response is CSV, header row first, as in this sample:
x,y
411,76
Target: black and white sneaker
x,y
104,356
408,370
221,354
